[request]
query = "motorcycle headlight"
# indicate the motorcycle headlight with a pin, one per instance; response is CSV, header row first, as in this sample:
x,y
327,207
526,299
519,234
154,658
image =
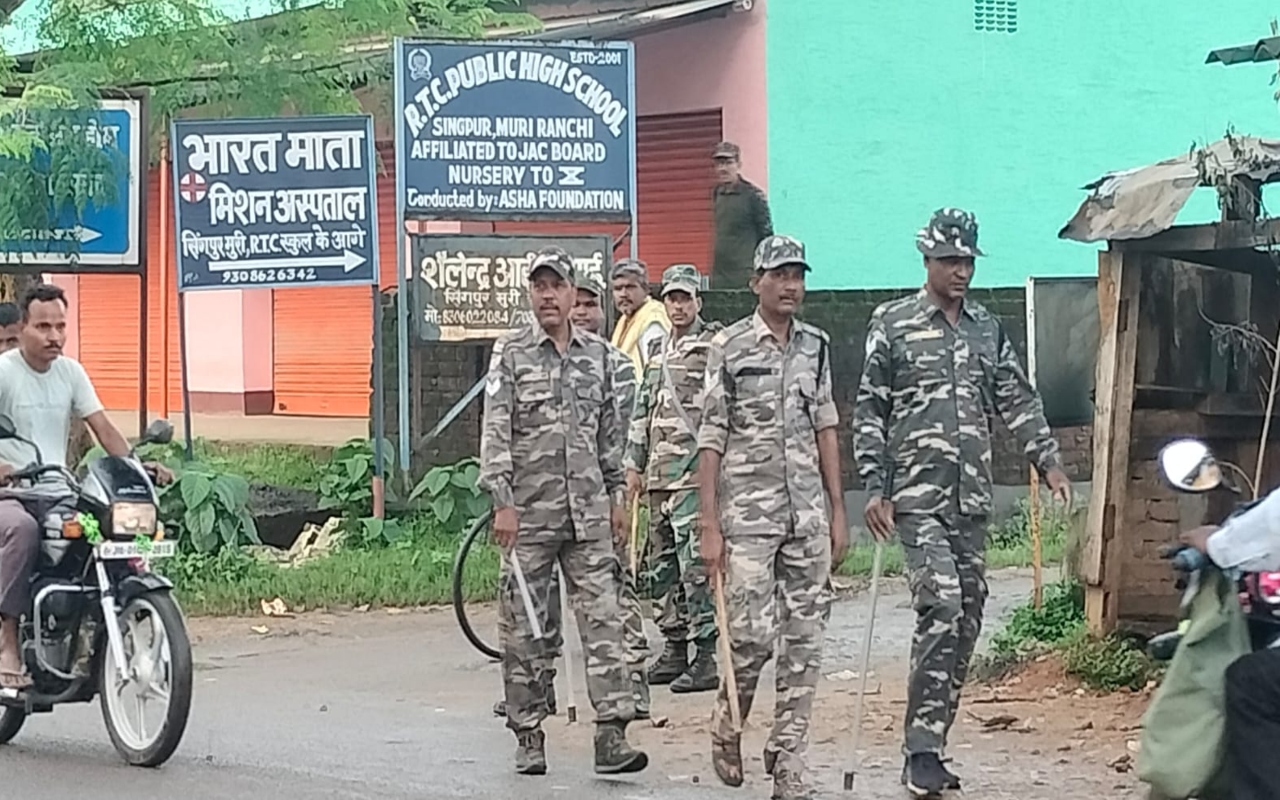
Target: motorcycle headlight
x,y
132,519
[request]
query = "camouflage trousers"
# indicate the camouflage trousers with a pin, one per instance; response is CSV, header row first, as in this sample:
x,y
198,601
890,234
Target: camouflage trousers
x,y
777,594
591,573
676,576
947,572
634,641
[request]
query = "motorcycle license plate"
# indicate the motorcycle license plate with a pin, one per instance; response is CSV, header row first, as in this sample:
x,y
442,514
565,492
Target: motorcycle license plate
x,y
116,551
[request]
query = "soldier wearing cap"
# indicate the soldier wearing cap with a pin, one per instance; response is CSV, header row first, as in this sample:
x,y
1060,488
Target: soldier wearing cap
x,y
551,460
741,217
588,314
938,366
643,319
663,447
769,465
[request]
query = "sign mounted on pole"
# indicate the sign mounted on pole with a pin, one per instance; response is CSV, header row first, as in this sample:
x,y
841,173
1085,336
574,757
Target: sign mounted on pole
x,y
476,286
516,130
263,203
109,237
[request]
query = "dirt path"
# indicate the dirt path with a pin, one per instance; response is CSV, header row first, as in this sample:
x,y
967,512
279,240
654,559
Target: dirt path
x,y
1062,744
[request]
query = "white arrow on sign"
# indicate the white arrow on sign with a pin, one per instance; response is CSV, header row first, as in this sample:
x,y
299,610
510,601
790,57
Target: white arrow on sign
x,y
348,261
64,234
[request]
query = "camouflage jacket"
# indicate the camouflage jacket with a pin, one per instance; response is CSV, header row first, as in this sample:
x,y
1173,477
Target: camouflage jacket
x,y
922,433
552,440
765,404
662,442
624,390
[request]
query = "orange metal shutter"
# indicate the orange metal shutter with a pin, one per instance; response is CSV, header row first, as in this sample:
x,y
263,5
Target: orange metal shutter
x,y
324,336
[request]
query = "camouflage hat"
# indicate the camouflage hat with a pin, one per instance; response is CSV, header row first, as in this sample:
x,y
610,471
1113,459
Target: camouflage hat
x,y
632,268
553,258
951,233
681,278
727,150
779,251
589,281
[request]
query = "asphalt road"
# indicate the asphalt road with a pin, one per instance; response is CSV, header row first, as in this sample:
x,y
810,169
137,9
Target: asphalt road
x,y
381,705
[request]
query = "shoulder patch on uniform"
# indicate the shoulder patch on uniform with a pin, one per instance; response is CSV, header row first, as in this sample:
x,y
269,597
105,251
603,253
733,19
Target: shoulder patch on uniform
x,y
493,383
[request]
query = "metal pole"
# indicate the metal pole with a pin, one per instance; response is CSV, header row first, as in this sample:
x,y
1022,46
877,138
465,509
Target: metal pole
x,y
635,202
186,390
877,563
402,285
379,421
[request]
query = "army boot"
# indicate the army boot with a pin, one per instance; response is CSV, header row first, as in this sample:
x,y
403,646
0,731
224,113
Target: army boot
x,y
531,752
701,676
614,755
671,664
640,691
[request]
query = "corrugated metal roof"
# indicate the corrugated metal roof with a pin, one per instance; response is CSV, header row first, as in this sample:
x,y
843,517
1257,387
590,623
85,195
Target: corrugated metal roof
x,y
1262,50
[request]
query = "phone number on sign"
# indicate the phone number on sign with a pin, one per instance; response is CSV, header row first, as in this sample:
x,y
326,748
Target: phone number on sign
x,y
269,275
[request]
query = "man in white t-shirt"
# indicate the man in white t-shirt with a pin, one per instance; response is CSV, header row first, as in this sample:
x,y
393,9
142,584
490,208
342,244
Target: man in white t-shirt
x,y
40,391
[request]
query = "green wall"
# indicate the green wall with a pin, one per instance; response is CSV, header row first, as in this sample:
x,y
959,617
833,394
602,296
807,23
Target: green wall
x,y
882,110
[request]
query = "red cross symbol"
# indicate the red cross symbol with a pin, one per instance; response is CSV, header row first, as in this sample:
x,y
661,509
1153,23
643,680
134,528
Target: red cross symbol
x,y
192,187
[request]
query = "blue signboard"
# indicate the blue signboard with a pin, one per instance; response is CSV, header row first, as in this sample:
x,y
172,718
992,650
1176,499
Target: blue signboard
x,y
109,237
263,203
515,130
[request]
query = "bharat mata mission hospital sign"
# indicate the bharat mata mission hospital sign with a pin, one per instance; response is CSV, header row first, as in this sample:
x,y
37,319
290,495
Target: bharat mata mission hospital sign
x,y
267,203
476,286
516,130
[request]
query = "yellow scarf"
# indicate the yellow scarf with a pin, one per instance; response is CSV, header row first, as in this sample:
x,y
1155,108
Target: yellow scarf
x,y
626,334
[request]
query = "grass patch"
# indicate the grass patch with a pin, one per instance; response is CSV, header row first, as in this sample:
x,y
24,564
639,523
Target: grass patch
x,y
415,570
277,464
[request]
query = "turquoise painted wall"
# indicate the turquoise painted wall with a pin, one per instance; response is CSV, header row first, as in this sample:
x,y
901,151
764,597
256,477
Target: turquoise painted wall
x,y
882,110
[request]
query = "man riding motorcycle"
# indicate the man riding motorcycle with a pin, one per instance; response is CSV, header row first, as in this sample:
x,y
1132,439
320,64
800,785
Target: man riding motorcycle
x,y
40,391
1249,542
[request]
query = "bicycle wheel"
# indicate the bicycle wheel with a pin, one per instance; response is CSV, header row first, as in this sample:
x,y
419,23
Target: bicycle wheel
x,y
480,526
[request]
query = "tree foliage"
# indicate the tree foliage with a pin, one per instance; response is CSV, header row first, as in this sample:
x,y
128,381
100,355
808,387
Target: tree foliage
x,y
308,57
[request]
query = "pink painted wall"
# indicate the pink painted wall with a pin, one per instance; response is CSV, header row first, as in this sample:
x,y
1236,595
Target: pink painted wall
x,y
716,63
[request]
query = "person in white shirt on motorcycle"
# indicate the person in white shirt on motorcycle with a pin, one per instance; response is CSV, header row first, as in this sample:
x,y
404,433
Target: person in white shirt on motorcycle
x,y
40,392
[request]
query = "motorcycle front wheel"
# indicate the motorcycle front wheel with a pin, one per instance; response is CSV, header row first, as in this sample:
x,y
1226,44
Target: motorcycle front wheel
x,y
11,721
157,654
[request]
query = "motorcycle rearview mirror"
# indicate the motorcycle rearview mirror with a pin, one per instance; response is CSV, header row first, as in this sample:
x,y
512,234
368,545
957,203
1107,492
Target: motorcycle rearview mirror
x,y
1189,466
160,431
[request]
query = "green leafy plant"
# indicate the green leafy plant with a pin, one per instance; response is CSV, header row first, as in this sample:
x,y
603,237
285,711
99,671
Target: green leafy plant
x,y
452,494
346,485
1108,663
1059,618
211,509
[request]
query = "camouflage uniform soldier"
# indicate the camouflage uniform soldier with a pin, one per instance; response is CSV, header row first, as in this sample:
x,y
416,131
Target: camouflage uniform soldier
x,y
937,367
768,442
588,314
551,459
663,444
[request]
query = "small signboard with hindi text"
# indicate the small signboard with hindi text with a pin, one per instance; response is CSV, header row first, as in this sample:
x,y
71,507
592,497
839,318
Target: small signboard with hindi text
x,y
476,286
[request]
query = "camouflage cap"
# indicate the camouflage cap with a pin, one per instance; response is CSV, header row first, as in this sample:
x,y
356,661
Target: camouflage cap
x,y
727,150
589,281
632,268
553,258
779,251
951,233
681,278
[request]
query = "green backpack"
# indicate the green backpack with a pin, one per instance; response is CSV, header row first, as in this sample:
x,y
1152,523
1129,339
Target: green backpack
x,y
1184,730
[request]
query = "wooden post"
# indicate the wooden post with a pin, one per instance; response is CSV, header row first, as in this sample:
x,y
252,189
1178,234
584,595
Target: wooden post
x,y
1037,579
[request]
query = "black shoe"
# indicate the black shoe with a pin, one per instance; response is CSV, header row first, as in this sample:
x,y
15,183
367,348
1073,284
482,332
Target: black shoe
x,y
701,676
531,752
926,777
671,664
953,780
614,755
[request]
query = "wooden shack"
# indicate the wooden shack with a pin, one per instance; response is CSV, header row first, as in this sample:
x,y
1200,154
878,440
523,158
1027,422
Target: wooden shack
x,y
1189,320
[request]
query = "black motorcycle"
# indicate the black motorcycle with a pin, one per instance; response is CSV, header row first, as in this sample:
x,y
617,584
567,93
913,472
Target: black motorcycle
x,y
101,623
1189,466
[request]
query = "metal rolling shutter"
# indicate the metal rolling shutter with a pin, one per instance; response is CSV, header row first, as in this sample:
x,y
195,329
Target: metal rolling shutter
x,y
324,336
674,182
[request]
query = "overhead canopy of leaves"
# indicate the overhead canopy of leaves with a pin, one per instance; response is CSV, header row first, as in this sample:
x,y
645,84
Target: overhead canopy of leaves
x,y
310,57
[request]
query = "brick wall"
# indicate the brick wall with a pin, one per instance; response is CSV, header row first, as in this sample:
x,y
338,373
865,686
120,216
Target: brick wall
x,y
441,373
